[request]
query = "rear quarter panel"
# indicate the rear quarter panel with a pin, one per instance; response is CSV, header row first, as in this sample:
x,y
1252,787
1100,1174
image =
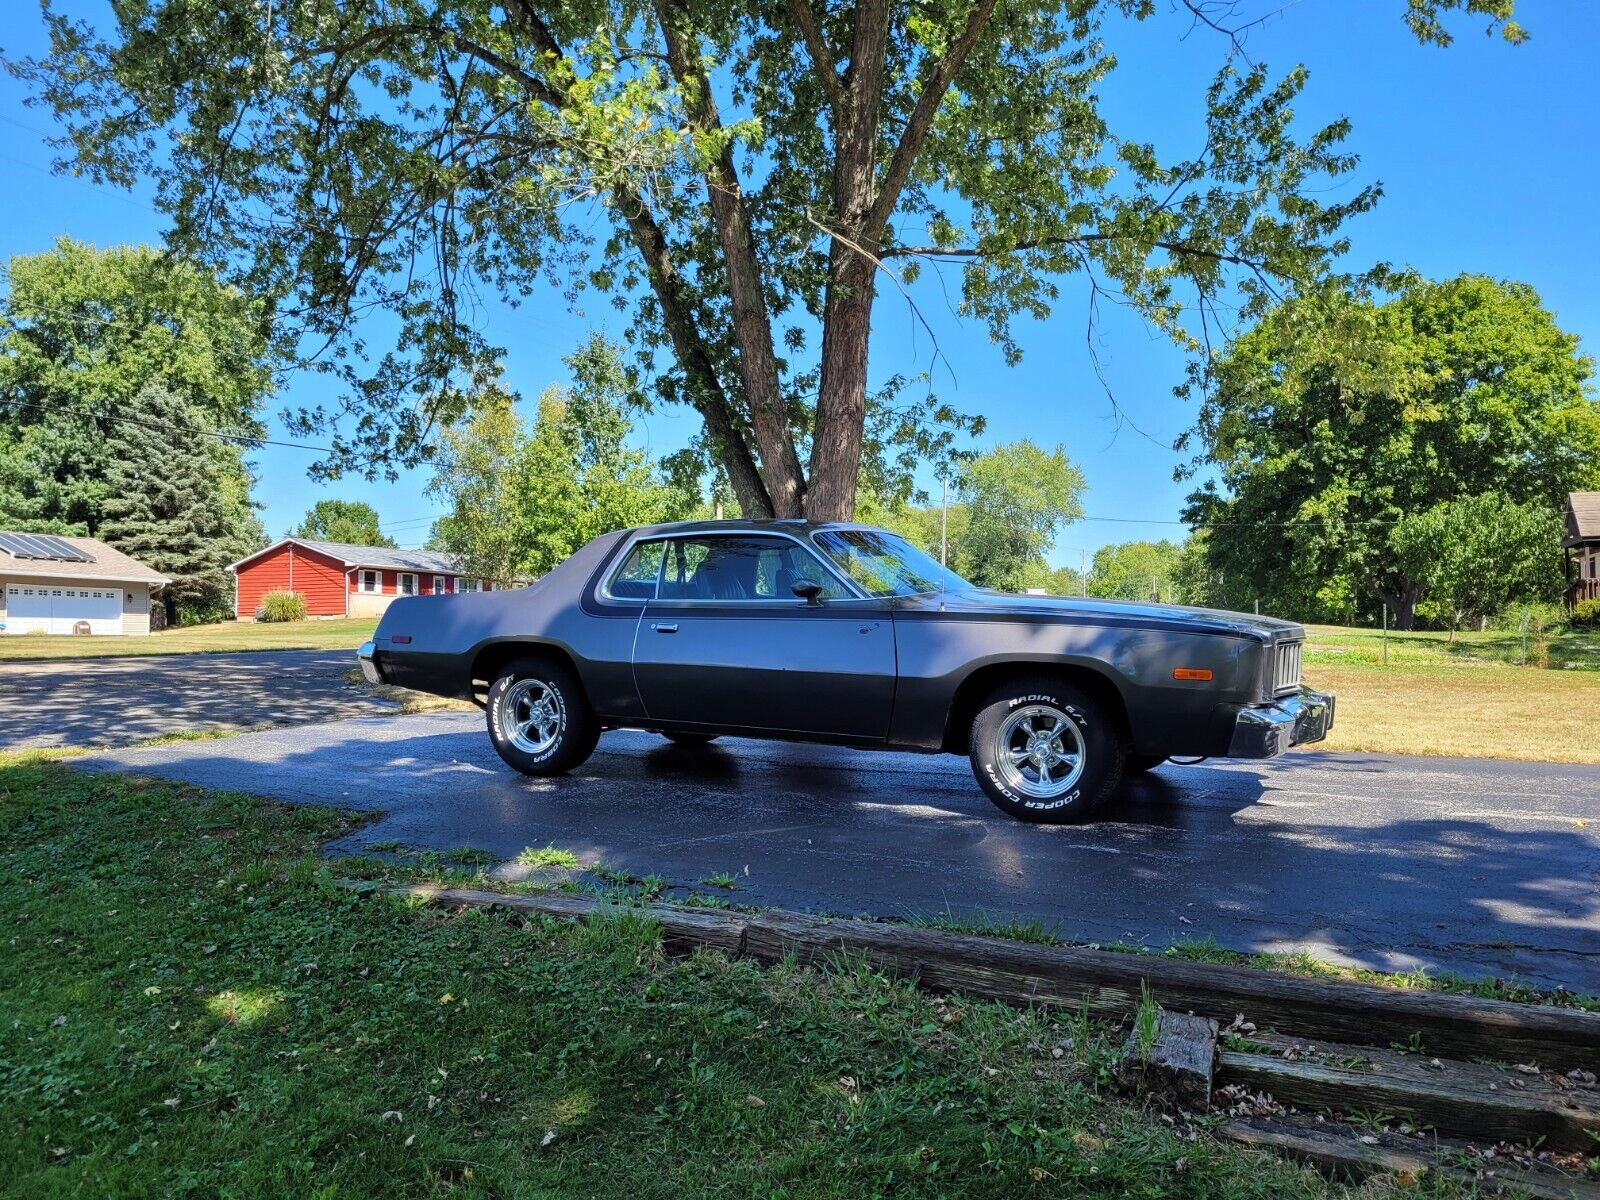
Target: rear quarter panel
x,y
453,636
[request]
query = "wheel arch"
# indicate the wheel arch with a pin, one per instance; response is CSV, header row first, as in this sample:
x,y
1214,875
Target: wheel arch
x,y
970,692
489,659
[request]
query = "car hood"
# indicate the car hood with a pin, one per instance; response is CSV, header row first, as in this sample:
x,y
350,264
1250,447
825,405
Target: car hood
x,y
980,602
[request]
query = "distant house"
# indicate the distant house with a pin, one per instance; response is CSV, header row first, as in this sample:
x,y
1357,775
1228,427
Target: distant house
x,y
1583,545
340,580
72,585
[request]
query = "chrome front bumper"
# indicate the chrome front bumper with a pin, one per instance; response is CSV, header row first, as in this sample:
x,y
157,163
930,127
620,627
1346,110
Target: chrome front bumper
x,y
1293,720
369,667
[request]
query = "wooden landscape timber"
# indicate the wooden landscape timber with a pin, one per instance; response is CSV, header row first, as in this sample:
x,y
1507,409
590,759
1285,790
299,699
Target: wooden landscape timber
x,y
1347,1153
1108,984
1533,1085
1473,1099
1177,1068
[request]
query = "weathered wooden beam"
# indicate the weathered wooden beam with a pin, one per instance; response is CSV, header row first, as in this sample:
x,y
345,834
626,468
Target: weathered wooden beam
x,y
1471,1099
1339,1152
1176,1068
1109,984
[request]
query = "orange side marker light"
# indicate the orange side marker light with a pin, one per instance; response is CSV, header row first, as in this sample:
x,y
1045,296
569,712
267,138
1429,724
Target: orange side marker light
x,y
1198,673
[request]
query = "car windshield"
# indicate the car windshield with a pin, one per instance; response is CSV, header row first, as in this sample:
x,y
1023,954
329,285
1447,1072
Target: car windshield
x,y
885,564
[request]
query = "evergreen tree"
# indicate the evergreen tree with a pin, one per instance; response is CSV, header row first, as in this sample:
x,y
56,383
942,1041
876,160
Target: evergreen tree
x,y
168,504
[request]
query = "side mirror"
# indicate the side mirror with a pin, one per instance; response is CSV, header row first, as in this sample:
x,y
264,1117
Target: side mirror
x,y
807,589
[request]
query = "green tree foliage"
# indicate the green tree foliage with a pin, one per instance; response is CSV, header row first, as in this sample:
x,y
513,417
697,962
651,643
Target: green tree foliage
x,y
1337,417
1479,554
1018,496
167,502
1010,504
350,521
97,346
601,145
1138,571
523,500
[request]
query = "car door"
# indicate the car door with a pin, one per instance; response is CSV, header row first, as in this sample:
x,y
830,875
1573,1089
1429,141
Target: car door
x,y
725,642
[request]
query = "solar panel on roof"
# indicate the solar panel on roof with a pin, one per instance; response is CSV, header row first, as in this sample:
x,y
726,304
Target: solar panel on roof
x,y
42,545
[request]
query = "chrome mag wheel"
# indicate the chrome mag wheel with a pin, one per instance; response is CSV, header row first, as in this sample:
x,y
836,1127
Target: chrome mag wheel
x,y
532,715
1039,751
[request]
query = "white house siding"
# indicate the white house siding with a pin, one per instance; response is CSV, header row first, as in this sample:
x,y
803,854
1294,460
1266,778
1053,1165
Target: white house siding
x,y
136,609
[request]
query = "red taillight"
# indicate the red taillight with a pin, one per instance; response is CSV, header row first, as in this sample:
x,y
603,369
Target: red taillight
x,y
404,639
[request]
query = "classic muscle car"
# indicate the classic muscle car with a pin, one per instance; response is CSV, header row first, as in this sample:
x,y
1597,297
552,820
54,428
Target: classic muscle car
x,y
847,634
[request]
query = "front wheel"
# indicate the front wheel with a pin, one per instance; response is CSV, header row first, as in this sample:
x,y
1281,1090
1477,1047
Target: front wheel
x,y
539,719
1046,751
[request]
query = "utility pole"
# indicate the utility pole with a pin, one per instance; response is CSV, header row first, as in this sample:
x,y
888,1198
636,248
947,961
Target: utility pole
x,y
944,513
1083,573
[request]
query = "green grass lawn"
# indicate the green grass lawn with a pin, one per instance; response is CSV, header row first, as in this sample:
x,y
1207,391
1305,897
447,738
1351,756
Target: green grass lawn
x,y
343,634
190,1007
1569,649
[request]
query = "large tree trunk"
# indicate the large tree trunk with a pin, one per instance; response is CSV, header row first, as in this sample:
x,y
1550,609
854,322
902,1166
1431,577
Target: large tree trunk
x,y
842,395
852,264
1403,604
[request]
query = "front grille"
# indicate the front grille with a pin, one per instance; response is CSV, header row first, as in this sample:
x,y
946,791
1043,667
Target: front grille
x,y
1287,678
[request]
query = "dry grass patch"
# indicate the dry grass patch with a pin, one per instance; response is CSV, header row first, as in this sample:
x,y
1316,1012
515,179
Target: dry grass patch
x,y
1467,712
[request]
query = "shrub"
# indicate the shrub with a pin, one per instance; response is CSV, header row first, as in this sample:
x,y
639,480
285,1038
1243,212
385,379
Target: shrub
x,y
282,606
209,613
1586,614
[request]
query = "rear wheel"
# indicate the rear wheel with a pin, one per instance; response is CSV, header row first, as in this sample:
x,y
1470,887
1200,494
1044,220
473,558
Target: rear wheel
x,y
1045,750
1142,762
689,739
539,718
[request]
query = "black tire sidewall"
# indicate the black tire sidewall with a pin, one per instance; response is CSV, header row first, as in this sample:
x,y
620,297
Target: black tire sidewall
x,y
578,730
1103,750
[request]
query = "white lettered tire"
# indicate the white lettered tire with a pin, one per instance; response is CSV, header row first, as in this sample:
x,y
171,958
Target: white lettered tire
x,y
1045,750
539,718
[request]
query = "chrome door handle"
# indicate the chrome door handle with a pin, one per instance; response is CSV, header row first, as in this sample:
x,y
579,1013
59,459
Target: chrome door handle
x,y
665,626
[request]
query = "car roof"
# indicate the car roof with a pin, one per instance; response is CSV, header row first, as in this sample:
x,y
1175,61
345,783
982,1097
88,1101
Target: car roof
x,y
795,525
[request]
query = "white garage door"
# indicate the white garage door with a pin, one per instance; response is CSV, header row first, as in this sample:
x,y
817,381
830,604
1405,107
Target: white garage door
x,y
31,608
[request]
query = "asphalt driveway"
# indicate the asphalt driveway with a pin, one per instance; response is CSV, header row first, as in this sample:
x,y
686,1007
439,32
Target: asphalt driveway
x,y
115,701
1480,867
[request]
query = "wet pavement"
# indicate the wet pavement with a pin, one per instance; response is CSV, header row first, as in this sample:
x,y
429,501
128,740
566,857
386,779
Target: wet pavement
x,y
1480,867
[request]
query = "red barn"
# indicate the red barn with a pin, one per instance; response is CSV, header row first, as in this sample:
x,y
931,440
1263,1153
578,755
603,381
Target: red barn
x,y
340,580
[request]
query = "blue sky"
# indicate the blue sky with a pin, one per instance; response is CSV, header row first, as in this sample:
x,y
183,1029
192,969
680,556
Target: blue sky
x,y
1489,155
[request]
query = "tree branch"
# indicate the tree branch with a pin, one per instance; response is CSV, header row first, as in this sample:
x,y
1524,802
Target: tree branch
x,y
934,88
752,323
821,58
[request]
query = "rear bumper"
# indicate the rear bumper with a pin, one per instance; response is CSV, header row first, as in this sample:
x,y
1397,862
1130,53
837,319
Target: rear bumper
x,y
369,665
1294,720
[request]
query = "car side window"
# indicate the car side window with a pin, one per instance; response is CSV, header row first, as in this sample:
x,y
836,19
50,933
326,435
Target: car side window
x,y
732,567
636,578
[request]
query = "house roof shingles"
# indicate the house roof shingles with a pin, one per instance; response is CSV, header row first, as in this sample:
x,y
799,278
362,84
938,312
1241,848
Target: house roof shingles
x,y
382,557
1583,517
107,563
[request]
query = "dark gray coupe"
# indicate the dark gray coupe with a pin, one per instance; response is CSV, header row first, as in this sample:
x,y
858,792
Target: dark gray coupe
x,y
848,634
